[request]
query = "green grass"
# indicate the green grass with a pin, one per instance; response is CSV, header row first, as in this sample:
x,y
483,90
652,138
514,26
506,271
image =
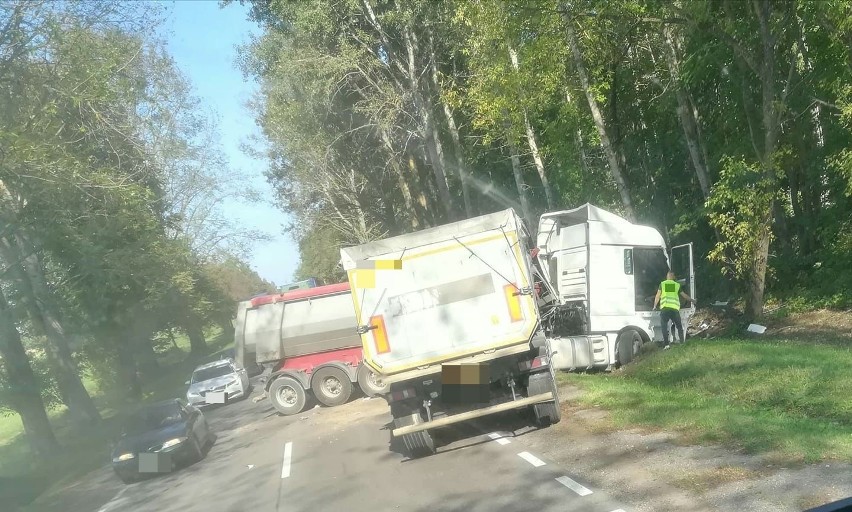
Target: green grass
x,y
22,479
790,399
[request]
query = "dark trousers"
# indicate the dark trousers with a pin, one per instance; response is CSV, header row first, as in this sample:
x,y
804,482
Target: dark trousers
x,y
670,315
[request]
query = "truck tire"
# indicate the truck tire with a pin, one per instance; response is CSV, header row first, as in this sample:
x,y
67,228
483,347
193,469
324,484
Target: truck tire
x,y
331,386
418,444
627,344
287,395
547,413
367,382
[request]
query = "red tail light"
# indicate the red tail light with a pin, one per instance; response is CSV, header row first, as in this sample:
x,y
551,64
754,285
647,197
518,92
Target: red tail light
x,y
402,395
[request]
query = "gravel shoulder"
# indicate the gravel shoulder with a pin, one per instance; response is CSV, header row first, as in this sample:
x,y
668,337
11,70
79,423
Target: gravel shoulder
x,y
658,471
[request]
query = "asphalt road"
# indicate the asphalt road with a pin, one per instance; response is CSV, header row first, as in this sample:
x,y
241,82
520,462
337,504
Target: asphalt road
x,y
341,458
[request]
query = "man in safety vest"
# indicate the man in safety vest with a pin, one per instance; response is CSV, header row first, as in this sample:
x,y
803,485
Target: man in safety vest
x,y
668,297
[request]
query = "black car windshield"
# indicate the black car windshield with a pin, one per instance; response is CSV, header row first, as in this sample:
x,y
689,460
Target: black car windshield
x,y
152,418
211,373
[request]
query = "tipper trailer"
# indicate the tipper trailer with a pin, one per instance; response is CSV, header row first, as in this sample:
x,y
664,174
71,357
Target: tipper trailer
x,y
448,319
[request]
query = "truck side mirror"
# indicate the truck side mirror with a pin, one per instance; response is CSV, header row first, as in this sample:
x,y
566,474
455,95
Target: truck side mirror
x,y
186,383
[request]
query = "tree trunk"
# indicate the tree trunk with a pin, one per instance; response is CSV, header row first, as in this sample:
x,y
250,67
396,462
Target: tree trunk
x,y
427,130
128,374
772,106
21,257
612,158
425,193
458,151
139,336
407,197
171,333
24,389
197,343
757,281
685,114
148,363
531,137
517,171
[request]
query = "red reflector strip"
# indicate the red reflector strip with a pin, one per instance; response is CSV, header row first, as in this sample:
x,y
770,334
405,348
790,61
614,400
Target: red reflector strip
x,y
532,364
401,395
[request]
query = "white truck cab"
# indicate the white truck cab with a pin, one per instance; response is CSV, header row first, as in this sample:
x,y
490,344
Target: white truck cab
x,y
599,275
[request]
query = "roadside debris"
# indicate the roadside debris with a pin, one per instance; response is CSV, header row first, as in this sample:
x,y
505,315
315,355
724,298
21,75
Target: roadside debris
x,y
756,328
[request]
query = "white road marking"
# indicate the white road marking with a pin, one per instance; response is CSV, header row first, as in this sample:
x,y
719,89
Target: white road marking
x,y
500,439
285,467
618,510
574,486
532,459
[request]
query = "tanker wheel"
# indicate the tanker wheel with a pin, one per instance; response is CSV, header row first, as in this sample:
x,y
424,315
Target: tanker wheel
x,y
287,396
331,386
368,383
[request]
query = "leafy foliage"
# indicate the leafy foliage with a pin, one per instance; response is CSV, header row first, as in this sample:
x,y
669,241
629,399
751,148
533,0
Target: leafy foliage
x,y
721,119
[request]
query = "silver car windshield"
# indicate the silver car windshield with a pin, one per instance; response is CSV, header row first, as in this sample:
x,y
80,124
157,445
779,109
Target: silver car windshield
x,y
211,373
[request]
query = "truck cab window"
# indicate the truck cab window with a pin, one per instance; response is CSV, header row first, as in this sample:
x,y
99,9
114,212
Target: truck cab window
x,y
649,270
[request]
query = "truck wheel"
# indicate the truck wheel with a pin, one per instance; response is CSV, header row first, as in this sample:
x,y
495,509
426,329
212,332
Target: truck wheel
x,y
418,444
367,382
628,344
331,386
547,413
287,395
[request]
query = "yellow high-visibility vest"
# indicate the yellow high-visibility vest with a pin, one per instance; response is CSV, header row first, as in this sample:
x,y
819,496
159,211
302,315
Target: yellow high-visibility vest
x,y
670,295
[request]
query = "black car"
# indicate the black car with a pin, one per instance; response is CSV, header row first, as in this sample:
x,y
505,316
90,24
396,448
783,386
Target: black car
x,y
158,438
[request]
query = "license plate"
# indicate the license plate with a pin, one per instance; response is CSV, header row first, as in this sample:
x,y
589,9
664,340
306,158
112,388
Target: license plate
x,y
465,384
217,397
155,462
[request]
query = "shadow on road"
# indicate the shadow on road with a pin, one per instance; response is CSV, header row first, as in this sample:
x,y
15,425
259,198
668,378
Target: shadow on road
x,y
469,433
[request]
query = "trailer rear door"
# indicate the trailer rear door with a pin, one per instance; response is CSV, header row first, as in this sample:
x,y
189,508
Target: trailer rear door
x,y
459,290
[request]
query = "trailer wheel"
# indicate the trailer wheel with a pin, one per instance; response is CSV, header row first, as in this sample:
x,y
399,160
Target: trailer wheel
x,y
418,444
287,395
331,386
367,382
628,344
548,413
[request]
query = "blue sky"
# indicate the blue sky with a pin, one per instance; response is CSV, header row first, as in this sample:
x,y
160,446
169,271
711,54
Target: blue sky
x,y
202,39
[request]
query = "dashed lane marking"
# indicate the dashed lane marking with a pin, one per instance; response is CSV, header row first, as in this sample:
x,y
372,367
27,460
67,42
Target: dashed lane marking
x,y
532,459
499,438
574,486
285,466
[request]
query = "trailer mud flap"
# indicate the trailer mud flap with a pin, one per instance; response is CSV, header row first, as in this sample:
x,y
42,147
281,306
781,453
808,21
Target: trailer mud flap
x,y
456,418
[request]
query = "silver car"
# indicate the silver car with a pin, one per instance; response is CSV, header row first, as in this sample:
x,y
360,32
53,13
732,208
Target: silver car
x,y
217,382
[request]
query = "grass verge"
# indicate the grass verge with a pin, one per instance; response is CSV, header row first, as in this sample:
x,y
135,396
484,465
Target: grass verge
x,y
787,398
22,479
